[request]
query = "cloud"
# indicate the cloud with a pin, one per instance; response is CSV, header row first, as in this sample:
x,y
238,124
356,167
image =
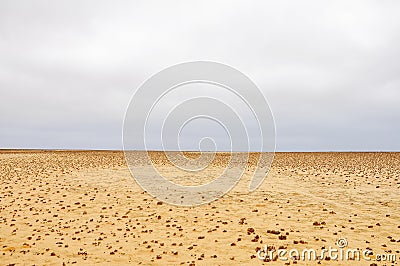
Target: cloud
x,y
329,69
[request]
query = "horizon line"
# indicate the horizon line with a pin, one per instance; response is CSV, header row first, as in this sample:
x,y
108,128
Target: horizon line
x,y
197,151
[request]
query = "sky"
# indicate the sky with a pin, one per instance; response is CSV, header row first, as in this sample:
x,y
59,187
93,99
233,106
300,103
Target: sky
x,y
330,70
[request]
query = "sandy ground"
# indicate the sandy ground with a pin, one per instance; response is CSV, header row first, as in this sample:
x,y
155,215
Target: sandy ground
x,y
72,207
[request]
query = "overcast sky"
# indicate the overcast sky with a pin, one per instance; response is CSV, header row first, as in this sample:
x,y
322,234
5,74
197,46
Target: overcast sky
x,y
329,69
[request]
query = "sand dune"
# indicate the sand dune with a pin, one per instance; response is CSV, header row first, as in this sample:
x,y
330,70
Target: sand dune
x,y
83,207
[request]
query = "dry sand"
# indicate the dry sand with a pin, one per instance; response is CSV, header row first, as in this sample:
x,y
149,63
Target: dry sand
x,y
73,207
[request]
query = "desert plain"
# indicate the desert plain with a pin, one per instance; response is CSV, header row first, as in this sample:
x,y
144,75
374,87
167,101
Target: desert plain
x,y
84,208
